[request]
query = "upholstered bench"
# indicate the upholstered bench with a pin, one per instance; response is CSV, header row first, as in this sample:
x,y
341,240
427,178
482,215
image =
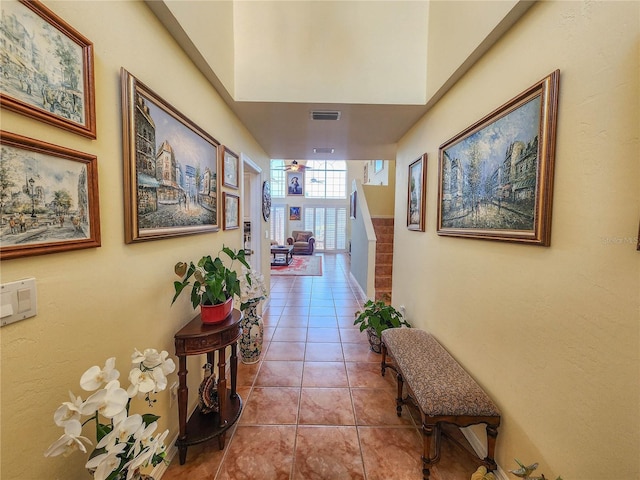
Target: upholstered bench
x,y
442,390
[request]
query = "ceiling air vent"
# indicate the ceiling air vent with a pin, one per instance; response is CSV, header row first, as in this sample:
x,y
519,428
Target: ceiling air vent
x,y
325,115
323,150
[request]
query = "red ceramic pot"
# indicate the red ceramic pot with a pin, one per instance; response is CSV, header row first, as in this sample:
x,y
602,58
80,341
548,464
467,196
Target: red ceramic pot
x,y
216,313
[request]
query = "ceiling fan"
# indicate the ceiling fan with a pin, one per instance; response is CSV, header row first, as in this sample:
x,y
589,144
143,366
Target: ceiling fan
x,y
296,167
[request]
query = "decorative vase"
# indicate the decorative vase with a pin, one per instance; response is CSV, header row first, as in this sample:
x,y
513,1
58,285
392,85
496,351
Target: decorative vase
x,y
216,313
252,334
374,340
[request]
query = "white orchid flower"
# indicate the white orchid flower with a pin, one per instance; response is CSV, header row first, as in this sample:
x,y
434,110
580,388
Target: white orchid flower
x,y
69,442
143,436
141,382
109,402
68,411
154,446
167,365
95,377
122,431
106,463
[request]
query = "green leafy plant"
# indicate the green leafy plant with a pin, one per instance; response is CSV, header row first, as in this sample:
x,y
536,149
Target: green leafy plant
x,y
213,282
525,471
379,316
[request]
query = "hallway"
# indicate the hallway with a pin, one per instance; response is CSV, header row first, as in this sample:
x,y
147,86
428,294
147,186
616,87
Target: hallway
x,y
316,406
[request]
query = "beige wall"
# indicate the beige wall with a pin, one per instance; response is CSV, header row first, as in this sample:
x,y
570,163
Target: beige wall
x,y
102,302
551,333
363,44
381,198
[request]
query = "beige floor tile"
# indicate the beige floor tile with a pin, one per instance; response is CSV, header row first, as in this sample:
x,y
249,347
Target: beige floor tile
x,y
326,406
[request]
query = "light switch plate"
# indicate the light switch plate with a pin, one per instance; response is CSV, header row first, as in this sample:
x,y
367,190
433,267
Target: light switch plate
x,y
18,301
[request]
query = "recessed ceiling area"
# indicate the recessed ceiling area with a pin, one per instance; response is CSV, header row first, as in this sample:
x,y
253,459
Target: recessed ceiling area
x,y
275,62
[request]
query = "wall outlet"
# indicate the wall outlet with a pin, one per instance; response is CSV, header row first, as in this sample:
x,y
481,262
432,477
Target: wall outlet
x,y
173,393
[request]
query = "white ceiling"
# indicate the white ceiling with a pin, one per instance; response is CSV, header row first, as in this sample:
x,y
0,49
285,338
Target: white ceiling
x,y
284,128
368,129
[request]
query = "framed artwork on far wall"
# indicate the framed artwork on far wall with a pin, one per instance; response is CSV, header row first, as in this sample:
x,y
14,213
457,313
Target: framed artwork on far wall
x,y
496,176
295,214
50,198
171,182
47,68
416,194
231,212
230,168
295,183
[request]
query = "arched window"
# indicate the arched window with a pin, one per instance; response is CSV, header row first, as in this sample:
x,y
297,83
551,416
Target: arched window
x,y
325,179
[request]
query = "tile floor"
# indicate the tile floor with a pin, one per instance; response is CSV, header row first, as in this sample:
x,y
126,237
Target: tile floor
x,y
316,406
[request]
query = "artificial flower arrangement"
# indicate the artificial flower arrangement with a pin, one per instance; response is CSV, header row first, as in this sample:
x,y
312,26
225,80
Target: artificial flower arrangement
x,y
252,287
125,443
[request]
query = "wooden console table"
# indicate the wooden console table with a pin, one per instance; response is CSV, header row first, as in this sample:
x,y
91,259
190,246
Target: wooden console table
x,y
197,338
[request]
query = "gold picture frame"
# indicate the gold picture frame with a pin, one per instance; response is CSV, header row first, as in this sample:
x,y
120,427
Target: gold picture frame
x,y
171,182
496,176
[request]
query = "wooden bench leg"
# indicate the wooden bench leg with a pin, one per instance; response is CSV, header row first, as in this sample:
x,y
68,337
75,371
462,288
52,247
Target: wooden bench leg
x,y
383,364
399,401
430,438
492,435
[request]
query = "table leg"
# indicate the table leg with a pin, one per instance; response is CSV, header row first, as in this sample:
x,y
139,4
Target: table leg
x,y
183,398
222,385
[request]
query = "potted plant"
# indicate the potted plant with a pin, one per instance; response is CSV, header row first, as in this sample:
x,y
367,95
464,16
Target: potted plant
x,y
126,442
525,471
214,284
376,317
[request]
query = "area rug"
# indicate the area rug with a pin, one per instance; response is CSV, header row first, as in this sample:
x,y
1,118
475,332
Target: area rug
x,y
301,265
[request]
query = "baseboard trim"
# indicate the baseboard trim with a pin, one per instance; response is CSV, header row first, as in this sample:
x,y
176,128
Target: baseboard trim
x,y
481,450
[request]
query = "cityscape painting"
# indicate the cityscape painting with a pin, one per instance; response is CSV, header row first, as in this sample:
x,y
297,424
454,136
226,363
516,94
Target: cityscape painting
x,y
48,198
46,68
496,177
171,169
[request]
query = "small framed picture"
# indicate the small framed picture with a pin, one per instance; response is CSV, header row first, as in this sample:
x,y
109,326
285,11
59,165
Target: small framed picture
x,y
295,183
50,198
230,168
416,194
294,213
231,211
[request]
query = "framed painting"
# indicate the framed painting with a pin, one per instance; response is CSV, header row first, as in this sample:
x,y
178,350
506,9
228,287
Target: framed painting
x,y
231,211
295,183
170,168
294,214
416,194
47,68
496,177
230,168
353,198
49,198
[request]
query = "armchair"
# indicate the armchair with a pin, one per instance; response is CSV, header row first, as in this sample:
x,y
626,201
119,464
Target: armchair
x,y
303,242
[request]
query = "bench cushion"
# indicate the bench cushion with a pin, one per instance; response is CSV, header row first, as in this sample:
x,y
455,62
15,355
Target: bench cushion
x,y
441,386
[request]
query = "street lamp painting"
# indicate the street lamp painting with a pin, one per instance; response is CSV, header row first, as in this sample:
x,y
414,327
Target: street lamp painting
x,y
33,198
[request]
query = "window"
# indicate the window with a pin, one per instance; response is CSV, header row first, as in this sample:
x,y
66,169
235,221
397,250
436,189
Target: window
x,y
326,179
278,224
278,179
329,227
